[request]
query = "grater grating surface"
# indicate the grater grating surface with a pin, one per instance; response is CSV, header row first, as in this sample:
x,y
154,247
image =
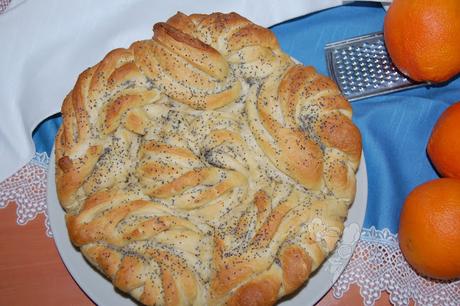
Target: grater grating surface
x,y
362,68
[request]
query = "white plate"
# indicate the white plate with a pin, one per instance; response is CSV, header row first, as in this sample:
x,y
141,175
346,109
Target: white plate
x,y
101,291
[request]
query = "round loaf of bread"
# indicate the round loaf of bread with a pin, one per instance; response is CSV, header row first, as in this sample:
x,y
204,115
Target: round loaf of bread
x,y
204,166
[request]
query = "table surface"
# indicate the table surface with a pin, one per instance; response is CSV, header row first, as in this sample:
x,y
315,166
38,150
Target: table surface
x,y
394,128
36,272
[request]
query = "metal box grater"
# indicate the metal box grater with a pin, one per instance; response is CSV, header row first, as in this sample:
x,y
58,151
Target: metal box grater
x,y
362,68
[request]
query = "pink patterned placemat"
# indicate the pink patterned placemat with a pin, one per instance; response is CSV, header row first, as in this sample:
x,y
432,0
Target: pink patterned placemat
x,y
3,5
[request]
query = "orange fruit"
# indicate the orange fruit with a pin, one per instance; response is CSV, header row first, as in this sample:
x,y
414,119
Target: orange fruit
x,y
444,144
429,229
423,38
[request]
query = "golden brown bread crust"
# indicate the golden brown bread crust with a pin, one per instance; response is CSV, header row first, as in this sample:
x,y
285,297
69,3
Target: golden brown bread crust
x,y
203,166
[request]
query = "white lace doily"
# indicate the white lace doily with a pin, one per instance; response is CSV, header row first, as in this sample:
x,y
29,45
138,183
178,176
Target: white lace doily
x,y
27,188
377,264
3,5
9,4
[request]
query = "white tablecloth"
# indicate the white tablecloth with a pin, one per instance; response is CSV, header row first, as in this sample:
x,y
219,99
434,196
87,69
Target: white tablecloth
x,y
47,43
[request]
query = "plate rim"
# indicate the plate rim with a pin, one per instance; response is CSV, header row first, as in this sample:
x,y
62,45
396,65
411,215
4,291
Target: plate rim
x,y
61,239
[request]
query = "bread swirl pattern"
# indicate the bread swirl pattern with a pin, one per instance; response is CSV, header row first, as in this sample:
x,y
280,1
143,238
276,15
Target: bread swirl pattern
x,y
204,166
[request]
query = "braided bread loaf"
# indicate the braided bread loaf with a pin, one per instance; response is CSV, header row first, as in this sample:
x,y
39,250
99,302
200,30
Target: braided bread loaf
x,y
205,167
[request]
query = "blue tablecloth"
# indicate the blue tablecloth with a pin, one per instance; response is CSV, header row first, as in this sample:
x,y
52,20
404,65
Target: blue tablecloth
x,y
395,127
